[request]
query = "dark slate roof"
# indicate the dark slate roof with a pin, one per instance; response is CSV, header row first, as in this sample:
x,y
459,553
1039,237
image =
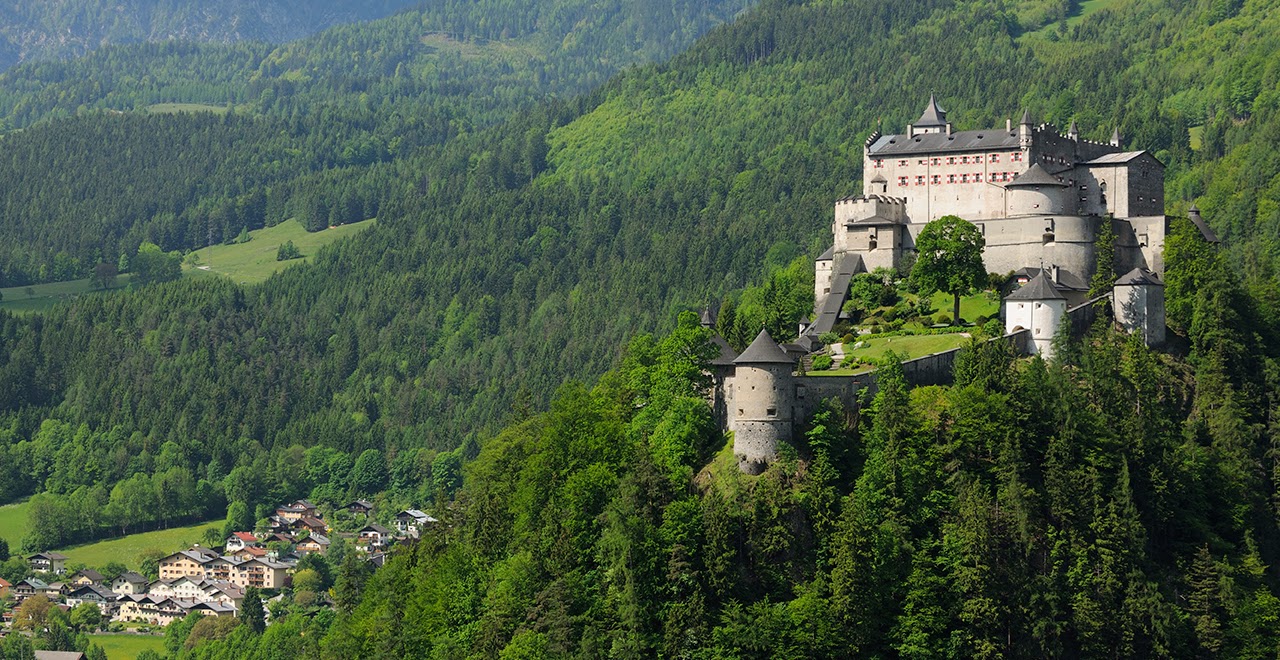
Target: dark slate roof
x,y
933,115
930,143
1193,214
1072,129
708,319
829,309
1026,116
1035,176
1039,288
879,178
826,256
1138,277
727,353
764,350
1067,280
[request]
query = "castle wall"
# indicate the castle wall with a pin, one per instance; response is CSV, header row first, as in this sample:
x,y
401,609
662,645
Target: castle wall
x,y
1015,243
963,184
822,270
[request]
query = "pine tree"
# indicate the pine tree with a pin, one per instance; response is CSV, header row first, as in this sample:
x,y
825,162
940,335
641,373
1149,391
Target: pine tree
x,y
251,613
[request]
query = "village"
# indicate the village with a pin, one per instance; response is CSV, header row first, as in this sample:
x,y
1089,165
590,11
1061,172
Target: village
x,y
295,540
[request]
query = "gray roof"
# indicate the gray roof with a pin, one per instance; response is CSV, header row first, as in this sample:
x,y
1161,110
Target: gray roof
x,y
933,115
1026,116
1039,288
130,576
873,221
1066,279
764,350
828,312
59,655
1072,129
879,178
1193,214
1035,176
929,143
826,256
1139,277
727,354
1116,158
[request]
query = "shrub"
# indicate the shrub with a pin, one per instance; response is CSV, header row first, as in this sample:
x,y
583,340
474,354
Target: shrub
x,y
981,320
288,251
828,338
942,319
850,361
822,363
848,338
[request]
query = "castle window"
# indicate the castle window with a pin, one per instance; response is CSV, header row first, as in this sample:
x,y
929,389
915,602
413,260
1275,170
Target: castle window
x,y
922,161
995,158
919,179
935,179
1016,157
936,161
951,160
879,163
871,244
964,178
964,160
902,163
772,412
902,180
740,411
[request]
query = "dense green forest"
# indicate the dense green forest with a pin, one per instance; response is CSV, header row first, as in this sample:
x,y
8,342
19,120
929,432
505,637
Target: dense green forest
x,y
1115,502
63,28
1132,518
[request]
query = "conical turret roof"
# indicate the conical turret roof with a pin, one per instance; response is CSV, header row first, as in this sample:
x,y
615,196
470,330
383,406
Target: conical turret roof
x,y
1138,277
764,350
1035,176
1039,288
933,115
1072,130
1026,117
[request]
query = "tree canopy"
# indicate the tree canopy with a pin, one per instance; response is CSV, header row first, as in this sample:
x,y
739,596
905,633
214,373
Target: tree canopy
x,y
949,259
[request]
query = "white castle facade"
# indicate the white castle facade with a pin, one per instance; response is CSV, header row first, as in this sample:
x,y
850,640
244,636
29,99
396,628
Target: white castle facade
x,y
1041,200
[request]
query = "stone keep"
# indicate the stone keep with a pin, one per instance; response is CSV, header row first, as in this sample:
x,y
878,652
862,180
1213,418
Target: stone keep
x,y
1037,307
1138,300
761,405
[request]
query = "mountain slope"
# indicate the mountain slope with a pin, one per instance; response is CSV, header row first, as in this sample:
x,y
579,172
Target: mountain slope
x,y
53,29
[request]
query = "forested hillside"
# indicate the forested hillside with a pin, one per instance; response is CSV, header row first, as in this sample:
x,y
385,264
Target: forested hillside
x,y
52,29
339,103
510,257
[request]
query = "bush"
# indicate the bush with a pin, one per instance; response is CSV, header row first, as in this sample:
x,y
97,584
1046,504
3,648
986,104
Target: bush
x,y
850,361
849,338
981,320
942,319
288,251
829,338
822,363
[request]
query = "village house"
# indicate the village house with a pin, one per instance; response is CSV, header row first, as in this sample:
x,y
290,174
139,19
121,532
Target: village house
x,y
362,507
316,543
129,583
92,593
295,510
311,524
48,562
154,610
4,588
260,573
373,536
239,541
223,592
186,563
87,577
249,552
411,521
28,587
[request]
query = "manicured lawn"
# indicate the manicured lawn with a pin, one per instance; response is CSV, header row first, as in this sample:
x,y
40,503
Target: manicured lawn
x,y
127,549
971,307
255,261
127,646
13,524
914,347
43,296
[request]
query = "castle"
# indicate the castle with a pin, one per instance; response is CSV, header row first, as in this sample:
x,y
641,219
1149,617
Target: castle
x,y
1040,199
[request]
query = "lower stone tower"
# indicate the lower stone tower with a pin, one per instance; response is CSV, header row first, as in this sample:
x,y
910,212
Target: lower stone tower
x,y
761,403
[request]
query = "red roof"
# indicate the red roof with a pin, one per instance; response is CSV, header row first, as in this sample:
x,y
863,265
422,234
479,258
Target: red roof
x,y
5,583
255,551
246,536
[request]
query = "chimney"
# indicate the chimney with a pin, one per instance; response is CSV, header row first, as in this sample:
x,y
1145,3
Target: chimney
x,y
948,128
911,130
1054,270
1008,125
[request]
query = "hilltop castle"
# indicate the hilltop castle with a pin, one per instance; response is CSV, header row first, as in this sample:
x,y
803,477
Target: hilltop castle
x,y
1040,199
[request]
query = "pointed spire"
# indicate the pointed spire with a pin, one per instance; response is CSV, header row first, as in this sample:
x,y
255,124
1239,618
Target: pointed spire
x,y
764,350
933,114
1073,132
1026,117
1115,137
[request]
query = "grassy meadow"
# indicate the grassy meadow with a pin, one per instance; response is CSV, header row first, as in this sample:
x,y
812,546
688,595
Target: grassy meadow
x,y
255,261
13,524
40,297
127,549
127,647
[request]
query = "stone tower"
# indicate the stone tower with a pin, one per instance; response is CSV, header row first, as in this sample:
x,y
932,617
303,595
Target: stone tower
x,y
1037,307
761,405
1138,300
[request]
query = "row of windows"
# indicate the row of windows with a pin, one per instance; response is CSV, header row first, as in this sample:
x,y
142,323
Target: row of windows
x,y
976,159
976,177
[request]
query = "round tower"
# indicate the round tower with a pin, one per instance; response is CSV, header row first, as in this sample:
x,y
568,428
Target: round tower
x,y
762,401
1036,192
1037,307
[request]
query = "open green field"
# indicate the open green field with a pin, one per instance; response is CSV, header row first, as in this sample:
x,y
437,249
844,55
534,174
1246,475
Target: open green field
x,y
13,524
175,108
971,307
43,296
127,549
914,347
255,261
126,647
1088,7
